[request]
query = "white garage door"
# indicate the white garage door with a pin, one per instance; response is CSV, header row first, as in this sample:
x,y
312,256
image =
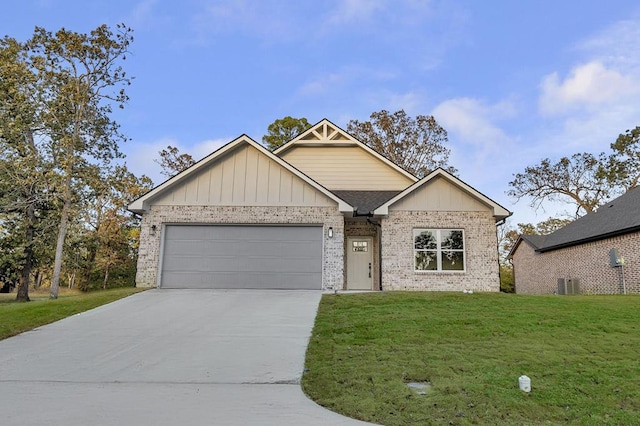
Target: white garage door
x,y
242,256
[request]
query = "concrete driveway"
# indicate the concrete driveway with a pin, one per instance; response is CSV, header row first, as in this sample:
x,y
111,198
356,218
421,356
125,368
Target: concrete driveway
x,y
167,357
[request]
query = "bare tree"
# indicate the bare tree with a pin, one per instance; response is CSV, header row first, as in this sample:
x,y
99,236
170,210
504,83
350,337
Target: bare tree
x,y
172,162
415,144
576,180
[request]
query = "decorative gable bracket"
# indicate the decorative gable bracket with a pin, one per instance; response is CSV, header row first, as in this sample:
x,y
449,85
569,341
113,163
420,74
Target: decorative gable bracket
x,y
325,132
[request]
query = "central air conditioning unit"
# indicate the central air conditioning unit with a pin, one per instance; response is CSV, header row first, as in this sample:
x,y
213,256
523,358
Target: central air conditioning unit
x,y
568,286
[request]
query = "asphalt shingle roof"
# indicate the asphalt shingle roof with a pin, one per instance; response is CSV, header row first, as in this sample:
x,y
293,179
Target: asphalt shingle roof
x,y
535,240
619,216
366,201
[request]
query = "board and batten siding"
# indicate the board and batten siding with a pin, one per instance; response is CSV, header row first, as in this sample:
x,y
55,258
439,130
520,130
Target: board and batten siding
x,y
244,177
346,168
439,195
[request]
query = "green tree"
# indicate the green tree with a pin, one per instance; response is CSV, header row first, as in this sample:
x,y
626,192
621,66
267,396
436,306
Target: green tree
x,y
416,144
577,180
103,238
283,130
79,80
26,169
507,281
173,162
508,236
117,230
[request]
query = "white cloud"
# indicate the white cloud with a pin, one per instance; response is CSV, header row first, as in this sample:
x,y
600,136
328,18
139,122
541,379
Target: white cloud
x,y
598,99
412,102
142,13
329,82
275,20
355,11
478,144
588,86
322,84
206,147
140,156
617,45
269,20
472,120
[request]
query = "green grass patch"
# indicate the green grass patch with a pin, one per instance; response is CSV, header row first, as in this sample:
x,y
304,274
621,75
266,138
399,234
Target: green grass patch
x,y
581,353
18,317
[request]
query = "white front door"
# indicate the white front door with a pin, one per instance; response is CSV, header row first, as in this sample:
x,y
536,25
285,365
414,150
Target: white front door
x,y
359,263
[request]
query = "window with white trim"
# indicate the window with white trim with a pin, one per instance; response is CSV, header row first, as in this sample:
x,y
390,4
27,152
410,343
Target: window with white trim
x,y
438,249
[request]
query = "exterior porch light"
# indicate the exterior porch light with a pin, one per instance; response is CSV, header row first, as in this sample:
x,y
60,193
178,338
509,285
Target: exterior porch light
x,y
153,229
330,232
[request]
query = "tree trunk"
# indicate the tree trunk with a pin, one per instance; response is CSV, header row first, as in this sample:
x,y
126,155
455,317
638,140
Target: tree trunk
x,y
30,216
106,278
39,279
62,233
23,285
91,261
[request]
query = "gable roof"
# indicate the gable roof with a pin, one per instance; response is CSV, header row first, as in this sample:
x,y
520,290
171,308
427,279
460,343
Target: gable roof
x,y
535,241
365,202
325,133
617,217
141,204
499,212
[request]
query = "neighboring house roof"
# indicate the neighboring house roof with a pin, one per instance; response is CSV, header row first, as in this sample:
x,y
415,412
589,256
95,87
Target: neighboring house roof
x,y
326,133
617,217
535,241
365,202
499,212
141,204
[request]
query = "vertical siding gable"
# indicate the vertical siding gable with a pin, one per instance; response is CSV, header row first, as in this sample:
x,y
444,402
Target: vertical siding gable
x,y
439,195
244,176
346,168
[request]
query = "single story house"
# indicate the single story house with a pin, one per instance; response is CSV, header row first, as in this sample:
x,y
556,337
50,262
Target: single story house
x,y
324,211
596,254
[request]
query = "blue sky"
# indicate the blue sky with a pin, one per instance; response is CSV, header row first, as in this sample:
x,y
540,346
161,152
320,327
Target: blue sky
x,y
512,81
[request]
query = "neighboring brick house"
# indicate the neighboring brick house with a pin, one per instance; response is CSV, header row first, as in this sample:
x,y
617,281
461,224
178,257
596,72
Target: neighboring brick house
x,y
582,252
324,211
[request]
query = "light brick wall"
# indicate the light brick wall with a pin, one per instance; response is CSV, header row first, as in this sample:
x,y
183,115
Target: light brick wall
x,y
362,228
333,248
482,272
538,273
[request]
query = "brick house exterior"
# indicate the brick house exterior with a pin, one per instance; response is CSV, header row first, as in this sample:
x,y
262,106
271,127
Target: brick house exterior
x,y
150,243
482,269
375,226
581,251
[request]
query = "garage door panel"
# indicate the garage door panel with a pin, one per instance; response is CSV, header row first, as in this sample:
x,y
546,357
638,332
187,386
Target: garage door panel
x,y
201,264
240,256
233,264
270,265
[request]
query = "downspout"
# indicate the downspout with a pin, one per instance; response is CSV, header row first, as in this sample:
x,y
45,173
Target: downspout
x,y
379,251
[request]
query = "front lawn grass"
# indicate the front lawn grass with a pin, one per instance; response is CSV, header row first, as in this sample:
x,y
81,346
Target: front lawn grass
x,y
582,354
18,317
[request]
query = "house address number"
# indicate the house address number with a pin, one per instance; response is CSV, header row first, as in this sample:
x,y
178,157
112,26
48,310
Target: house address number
x,y
360,245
